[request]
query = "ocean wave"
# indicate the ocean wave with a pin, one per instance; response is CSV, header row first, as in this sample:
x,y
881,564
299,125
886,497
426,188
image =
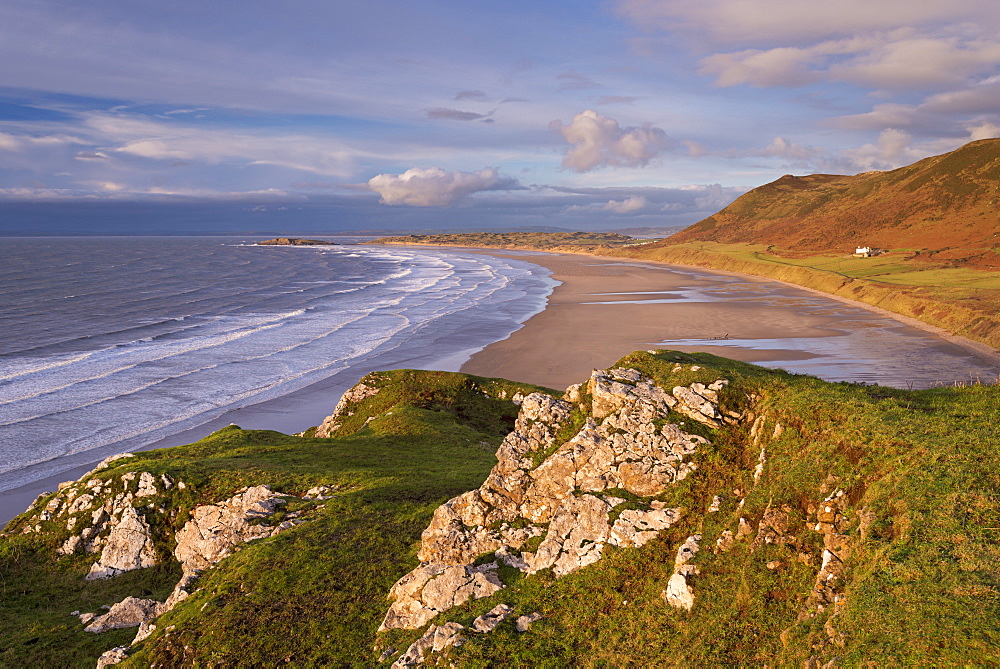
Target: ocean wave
x,y
225,345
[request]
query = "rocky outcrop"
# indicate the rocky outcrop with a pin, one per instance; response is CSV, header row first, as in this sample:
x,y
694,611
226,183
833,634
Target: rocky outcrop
x,y
130,612
344,409
295,241
215,530
129,545
679,592
436,639
109,515
550,502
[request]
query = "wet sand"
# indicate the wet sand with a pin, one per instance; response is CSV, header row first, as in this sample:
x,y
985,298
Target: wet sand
x,y
605,309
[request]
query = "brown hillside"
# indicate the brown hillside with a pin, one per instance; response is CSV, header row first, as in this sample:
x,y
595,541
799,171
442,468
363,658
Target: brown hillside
x,y
945,207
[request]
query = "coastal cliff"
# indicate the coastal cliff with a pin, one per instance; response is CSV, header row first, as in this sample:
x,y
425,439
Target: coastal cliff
x,y
672,509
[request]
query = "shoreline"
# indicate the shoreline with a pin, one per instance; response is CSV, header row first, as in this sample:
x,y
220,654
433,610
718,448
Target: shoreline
x,y
983,351
496,359
295,411
560,345
979,349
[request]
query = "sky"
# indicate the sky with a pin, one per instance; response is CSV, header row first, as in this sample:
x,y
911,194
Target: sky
x,y
142,116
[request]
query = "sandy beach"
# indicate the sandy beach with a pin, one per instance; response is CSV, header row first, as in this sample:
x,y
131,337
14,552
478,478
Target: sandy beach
x,y
605,309
602,310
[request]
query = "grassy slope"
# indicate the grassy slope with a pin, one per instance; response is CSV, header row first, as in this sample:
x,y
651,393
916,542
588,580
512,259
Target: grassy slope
x,y
922,586
314,594
964,301
944,205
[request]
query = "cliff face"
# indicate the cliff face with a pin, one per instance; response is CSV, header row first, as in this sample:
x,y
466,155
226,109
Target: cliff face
x,y
674,509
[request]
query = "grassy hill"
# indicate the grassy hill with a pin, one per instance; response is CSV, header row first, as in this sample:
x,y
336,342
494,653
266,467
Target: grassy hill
x,y
920,508
940,209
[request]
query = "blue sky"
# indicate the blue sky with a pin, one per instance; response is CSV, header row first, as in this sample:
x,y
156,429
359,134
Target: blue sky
x,y
586,115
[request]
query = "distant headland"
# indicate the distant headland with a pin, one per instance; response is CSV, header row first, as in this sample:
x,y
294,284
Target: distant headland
x,y
294,241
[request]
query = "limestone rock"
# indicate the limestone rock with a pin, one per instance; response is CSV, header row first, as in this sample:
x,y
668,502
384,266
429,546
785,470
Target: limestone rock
x,y
836,546
725,541
130,612
576,536
431,589
523,623
635,528
147,485
113,656
354,395
435,640
679,592
215,530
626,444
489,620
129,546
773,529
697,406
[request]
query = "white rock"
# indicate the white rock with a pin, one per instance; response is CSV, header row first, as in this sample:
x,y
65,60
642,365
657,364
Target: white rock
x,y
215,530
523,623
130,612
128,546
112,657
489,620
147,485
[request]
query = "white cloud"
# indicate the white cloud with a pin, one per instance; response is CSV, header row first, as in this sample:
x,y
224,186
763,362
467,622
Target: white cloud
x,y
888,115
173,141
715,197
898,59
794,22
12,142
782,148
434,187
985,130
918,61
892,149
982,98
599,141
626,206
787,66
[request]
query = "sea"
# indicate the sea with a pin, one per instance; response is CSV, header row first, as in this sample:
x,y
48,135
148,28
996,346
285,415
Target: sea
x,y
116,344
111,344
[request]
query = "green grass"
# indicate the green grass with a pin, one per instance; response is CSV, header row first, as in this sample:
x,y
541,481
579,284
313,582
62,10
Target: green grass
x,y
314,594
961,300
922,587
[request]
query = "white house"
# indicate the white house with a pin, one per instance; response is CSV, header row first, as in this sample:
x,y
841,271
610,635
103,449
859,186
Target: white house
x,y
867,251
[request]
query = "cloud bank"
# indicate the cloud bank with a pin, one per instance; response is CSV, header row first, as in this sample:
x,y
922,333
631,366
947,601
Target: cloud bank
x,y
599,141
434,187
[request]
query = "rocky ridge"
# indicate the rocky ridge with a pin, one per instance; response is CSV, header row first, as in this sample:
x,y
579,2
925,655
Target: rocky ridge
x,y
113,516
575,475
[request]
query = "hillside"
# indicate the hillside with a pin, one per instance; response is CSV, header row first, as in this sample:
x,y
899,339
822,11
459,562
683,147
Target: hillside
x,y
942,208
676,509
